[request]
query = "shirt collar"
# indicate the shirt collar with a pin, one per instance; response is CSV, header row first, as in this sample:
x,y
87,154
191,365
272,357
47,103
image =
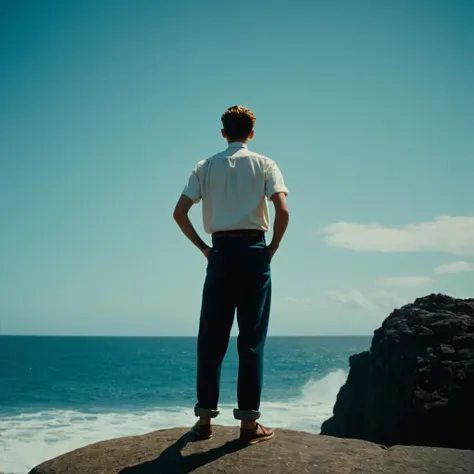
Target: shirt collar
x,y
237,145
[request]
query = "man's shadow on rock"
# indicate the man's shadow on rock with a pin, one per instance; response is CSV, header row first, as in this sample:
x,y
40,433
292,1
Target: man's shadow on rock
x,y
171,461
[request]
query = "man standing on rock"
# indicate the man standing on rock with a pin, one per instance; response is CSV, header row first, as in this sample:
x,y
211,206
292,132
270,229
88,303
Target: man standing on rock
x,y
234,186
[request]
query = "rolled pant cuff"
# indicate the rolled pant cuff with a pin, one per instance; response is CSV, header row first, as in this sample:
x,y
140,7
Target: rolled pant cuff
x,y
205,412
246,415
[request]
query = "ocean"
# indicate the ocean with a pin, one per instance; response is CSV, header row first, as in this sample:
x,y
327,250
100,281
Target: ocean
x,y
60,393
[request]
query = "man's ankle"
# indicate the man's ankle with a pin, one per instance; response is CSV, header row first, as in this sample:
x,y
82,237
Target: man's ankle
x,y
248,425
205,421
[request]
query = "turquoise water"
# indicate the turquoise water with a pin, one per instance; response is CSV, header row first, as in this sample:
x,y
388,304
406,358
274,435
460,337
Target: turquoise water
x,y
59,393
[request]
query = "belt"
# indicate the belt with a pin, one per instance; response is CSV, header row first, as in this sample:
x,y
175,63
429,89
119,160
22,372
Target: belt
x,y
238,233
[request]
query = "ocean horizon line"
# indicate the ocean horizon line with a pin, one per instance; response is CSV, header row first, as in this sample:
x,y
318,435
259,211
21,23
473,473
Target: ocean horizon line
x,y
112,336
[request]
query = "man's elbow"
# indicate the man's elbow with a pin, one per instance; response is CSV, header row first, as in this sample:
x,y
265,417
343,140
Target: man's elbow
x,y
180,215
177,216
282,213
286,217
182,208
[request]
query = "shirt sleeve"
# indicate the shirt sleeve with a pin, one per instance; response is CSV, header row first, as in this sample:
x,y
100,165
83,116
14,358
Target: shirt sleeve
x,y
192,189
274,182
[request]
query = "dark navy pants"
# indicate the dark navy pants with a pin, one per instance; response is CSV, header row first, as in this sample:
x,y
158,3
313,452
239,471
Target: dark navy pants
x,y
238,278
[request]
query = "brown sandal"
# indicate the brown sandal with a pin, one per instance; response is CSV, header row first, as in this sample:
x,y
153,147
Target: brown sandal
x,y
202,432
257,434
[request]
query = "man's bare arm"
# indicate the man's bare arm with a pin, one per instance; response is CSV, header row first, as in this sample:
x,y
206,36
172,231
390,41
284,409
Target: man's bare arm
x,y
282,217
181,217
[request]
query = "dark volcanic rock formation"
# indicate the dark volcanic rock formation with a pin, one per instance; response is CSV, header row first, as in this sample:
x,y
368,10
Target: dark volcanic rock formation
x,y
172,452
416,384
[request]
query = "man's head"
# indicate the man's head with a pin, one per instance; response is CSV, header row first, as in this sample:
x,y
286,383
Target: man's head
x,y
238,123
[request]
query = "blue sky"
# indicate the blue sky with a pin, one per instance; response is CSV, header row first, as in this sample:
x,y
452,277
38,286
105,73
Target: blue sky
x,y
105,107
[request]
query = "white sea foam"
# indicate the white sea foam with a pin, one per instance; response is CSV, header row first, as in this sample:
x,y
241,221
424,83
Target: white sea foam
x,y
29,439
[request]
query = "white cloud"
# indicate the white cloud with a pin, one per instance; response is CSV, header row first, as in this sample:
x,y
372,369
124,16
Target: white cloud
x,y
446,234
387,300
406,282
375,301
352,298
292,299
454,267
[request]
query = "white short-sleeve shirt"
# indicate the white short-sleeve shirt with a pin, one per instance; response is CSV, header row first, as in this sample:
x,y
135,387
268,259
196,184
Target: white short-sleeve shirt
x,y
235,186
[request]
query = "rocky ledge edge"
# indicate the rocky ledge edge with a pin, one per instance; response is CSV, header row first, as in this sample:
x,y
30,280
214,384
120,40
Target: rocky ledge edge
x,y
174,451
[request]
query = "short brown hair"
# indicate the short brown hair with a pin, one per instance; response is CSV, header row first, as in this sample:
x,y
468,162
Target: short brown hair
x,y
238,122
